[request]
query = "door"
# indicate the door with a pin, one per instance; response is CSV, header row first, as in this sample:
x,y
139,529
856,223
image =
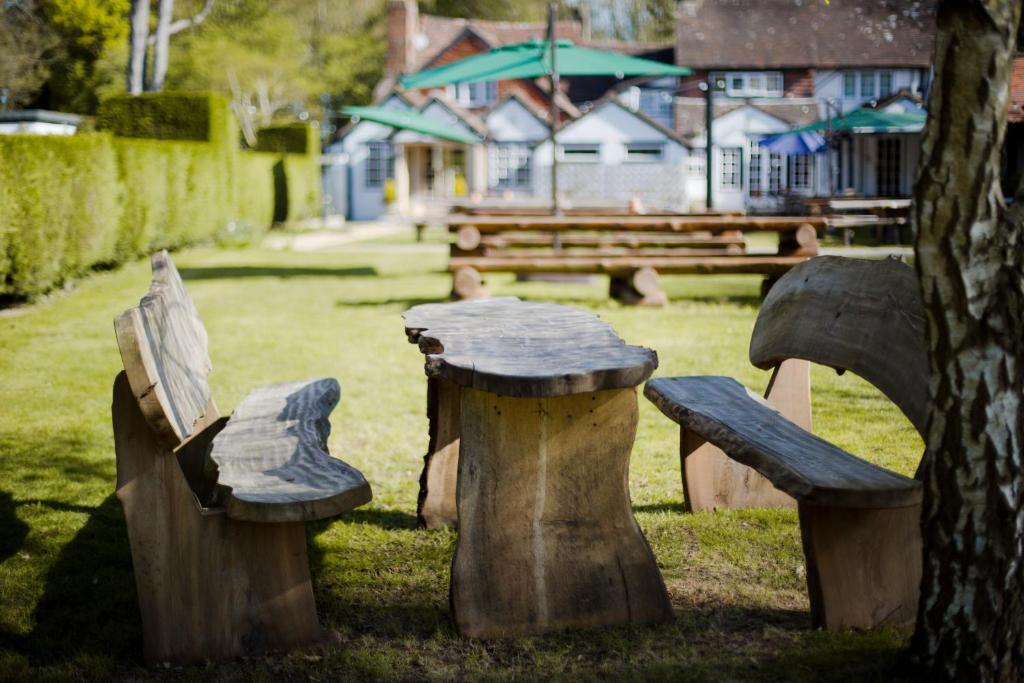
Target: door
x,y
889,168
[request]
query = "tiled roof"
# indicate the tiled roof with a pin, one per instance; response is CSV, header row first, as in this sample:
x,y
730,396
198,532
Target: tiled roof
x,y
727,34
440,32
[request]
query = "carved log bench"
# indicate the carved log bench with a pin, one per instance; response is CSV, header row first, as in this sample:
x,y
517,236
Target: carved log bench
x,y
860,523
631,250
215,505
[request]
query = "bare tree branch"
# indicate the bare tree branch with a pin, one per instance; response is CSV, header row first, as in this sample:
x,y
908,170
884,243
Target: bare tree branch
x,y
184,24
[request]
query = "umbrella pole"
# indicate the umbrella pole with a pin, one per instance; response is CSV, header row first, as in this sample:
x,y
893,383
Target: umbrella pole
x,y
553,108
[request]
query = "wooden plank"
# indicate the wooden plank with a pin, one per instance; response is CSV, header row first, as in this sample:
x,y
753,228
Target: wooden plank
x,y
764,265
723,412
492,224
601,252
523,348
163,348
634,240
436,506
863,566
860,315
271,458
527,210
210,588
547,538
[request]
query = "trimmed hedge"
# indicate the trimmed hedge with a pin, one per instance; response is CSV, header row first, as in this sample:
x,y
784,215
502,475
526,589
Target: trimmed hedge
x,y
71,203
293,138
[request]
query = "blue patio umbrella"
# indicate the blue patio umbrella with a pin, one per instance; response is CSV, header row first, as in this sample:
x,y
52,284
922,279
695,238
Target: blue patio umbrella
x,y
807,142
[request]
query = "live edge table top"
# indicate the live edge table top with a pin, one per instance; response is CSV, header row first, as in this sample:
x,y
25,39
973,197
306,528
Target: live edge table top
x,y
525,349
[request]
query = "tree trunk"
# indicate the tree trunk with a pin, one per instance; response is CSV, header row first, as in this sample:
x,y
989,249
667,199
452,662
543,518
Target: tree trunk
x,y
137,45
970,622
162,46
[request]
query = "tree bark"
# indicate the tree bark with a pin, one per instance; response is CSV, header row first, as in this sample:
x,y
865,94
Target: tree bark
x,y
162,45
137,46
968,250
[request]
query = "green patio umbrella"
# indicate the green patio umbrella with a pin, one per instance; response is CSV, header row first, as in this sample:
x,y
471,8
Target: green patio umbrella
x,y
408,119
534,59
867,121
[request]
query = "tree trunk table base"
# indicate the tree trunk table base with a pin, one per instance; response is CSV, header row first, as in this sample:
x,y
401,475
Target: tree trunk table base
x,y
547,538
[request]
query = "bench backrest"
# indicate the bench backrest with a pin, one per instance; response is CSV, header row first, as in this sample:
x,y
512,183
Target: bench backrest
x,y
865,316
164,351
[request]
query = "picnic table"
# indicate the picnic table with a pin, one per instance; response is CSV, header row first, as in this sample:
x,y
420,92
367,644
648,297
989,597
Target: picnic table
x,y
533,413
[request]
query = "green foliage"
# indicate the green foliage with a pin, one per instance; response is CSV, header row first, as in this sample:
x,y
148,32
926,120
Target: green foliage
x,y
295,138
71,203
165,116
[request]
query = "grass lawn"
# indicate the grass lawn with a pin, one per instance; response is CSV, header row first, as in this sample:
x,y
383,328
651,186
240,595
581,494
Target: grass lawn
x,y
68,607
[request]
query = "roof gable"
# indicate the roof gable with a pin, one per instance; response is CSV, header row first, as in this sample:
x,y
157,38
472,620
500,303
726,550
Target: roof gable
x,y
512,120
612,120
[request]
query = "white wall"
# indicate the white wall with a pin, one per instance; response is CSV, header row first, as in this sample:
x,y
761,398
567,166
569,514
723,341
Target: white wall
x,y
828,85
513,122
366,203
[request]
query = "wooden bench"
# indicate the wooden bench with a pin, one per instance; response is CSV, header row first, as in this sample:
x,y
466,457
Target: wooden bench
x,y
215,506
860,523
632,250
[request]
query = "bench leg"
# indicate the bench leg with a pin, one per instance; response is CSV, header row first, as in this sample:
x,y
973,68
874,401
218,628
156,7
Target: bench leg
x,y
468,284
210,588
436,505
640,288
547,538
863,566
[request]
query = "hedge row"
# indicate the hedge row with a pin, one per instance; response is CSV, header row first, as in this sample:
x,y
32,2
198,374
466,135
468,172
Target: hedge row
x,y
71,203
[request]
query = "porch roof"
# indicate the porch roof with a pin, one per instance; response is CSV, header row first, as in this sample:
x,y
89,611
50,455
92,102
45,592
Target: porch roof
x,y
868,121
414,121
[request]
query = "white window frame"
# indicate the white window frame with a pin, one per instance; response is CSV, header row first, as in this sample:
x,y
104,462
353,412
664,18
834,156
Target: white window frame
x,y
645,152
731,175
755,170
379,157
695,165
753,83
659,104
580,152
476,94
511,165
801,171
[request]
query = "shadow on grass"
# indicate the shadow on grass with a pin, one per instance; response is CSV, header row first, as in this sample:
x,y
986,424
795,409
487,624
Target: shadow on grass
x,y
89,605
385,519
405,303
231,272
12,530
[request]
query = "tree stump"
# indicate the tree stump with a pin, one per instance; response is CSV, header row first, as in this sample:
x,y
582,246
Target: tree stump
x,y
437,505
468,284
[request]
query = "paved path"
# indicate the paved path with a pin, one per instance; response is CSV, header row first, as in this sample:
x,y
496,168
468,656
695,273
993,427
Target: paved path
x,y
321,240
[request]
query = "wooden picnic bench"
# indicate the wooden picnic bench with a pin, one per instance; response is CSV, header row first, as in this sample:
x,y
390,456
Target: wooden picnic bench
x,y
533,412
216,505
632,250
860,523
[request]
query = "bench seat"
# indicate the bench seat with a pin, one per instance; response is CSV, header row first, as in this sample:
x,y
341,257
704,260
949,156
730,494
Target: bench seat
x,y
813,471
271,458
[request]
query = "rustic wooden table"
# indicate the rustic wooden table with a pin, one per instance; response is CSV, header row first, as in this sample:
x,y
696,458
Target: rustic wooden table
x,y
533,413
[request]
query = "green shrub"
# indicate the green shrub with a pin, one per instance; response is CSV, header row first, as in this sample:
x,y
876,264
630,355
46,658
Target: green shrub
x,y
167,116
254,203
291,138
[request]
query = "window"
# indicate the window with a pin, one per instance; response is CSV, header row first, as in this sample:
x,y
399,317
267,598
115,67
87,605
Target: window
x,y
754,84
581,152
732,168
889,167
379,162
867,84
849,84
645,151
695,165
884,83
510,165
775,166
659,105
754,184
471,95
800,171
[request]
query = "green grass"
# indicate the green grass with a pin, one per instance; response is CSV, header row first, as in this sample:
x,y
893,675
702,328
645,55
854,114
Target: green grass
x,y
68,608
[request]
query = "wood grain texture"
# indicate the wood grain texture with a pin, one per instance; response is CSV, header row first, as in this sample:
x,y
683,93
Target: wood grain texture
x,y
723,412
524,349
210,588
863,566
640,288
547,538
271,459
623,265
631,240
865,316
490,224
437,506
163,348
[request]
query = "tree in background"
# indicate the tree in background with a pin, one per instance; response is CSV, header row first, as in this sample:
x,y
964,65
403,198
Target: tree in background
x,y
970,260
27,47
140,42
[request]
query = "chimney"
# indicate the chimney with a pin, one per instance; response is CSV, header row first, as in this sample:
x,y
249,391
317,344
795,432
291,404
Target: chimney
x,y
403,24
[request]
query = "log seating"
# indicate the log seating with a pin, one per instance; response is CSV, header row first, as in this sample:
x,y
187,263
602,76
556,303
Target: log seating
x,y
533,413
632,250
859,522
215,505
